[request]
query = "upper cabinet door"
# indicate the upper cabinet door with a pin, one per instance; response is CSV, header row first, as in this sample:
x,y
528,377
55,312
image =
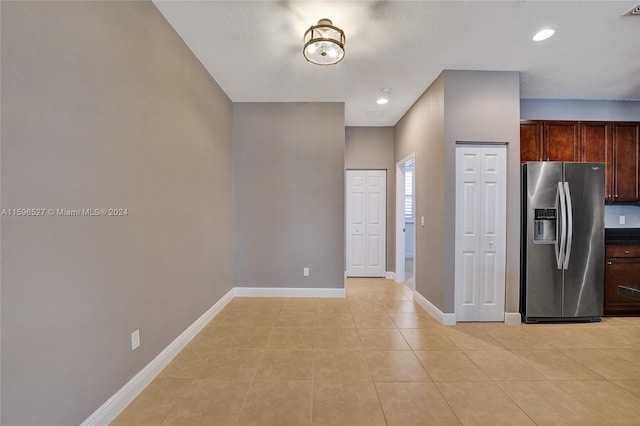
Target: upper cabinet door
x,y
626,146
561,140
530,141
595,147
616,144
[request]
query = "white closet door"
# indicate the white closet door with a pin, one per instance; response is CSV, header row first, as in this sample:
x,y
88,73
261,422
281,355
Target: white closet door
x,y
366,223
355,223
480,232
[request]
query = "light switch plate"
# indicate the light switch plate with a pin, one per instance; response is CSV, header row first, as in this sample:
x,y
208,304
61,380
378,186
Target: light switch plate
x,y
622,220
135,340
306,272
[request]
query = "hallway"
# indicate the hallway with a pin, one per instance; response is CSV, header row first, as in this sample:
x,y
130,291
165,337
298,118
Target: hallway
x,y
376,358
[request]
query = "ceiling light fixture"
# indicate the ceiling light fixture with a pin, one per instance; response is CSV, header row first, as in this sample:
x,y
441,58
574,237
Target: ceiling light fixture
x,y
544,34
384,98
324,43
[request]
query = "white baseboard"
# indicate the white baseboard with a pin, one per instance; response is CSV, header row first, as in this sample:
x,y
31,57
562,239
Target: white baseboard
x,y
512,318
122,398
287,292
390,275
441,317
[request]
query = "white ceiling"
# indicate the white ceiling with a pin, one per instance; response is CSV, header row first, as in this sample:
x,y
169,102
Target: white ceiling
x,y
253,49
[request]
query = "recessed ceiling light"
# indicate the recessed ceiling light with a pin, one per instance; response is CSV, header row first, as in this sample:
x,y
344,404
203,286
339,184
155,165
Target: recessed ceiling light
x,y
384,98
544,34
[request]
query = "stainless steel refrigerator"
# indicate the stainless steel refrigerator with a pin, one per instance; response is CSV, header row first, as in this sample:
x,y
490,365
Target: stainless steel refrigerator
x,y
562,258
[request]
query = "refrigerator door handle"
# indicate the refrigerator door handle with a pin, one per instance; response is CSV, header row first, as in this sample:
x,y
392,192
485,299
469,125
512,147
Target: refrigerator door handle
x,y
569,226
560,200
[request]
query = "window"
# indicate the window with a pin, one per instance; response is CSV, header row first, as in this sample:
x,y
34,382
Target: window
x,y
408,195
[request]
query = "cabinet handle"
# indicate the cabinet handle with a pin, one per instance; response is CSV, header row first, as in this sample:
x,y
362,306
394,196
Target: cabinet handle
x,y
615,196
609,263
547,159
626,252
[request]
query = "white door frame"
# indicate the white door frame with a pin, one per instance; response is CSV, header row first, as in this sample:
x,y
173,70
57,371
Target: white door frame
x,y
400,226
466,310
371,225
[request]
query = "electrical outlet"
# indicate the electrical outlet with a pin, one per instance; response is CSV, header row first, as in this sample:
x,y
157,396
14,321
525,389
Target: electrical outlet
x,y
135,340
306,272
622,220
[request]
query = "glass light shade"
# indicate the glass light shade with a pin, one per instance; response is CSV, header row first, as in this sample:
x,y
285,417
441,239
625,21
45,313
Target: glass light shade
x,y
324,43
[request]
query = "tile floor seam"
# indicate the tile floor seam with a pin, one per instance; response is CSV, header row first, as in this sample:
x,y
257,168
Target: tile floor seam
x,y
615,382
313,387
579,402
531,363
422,365
253,380
516,403
206,359
175,402
384,414
564,351
447,401
373,380
478,366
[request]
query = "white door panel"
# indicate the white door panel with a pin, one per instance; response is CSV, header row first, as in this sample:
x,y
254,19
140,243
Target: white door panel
x,y
356,203
480,232
468,278
366,223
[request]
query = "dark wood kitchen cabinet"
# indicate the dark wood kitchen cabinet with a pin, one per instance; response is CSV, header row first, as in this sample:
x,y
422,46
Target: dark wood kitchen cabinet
x,y
561,140
622,268
626,148
549,141
596,147
616,144
530,141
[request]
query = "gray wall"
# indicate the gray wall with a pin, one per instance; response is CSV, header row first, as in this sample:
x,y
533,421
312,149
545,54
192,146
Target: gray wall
x,y
480,106
372,148
563,109
484,106
421,131
288,194
104,106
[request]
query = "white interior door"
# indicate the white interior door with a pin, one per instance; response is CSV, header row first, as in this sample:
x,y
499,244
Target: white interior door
x,y
366,223
480,232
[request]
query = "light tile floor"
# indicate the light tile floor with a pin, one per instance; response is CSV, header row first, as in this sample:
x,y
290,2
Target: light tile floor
x,y
376,358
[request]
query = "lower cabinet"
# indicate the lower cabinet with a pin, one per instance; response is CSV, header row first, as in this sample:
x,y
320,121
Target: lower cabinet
x,y
622,268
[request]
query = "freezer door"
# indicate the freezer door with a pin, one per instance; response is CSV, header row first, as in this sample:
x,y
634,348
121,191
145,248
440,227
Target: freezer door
x,y
584,271
542,276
